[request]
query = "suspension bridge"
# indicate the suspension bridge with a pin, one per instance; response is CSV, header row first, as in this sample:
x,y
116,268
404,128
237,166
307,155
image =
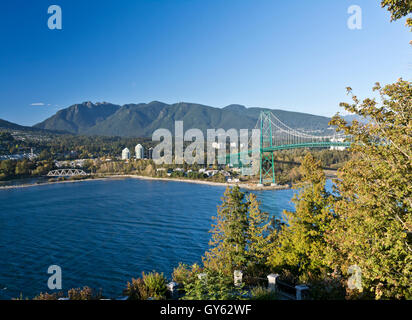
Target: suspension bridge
x,y
276,136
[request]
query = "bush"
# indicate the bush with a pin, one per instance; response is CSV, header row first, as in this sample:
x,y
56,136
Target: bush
x,y
218,178
136,290
195,175
215,285
47,296
155,284
177,174
184,273
84,294
262,293
75,178
151,285
327,287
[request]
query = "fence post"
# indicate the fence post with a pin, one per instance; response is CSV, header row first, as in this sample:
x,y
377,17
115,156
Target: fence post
x,y
299,289
172,287
237,277
272,281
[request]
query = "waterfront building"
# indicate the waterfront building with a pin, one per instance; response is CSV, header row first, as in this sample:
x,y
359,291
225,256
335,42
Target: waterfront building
x,y
139,150
125,154
150,153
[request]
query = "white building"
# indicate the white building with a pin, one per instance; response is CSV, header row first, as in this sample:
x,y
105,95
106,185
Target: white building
x,y
125,154
139,150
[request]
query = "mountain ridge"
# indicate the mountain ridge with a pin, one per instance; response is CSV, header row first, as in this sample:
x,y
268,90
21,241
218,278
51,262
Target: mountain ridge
x,y
4,124
142,119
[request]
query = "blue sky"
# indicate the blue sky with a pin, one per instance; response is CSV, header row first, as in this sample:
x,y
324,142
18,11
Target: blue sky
x,y
294,55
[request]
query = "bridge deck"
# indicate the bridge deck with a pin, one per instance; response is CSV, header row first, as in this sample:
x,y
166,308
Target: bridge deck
x,y
289,147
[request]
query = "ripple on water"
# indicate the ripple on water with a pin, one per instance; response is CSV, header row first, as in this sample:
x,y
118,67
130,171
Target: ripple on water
x,y
103,233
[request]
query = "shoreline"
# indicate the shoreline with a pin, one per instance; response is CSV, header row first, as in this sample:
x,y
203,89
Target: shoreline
x,y
247,186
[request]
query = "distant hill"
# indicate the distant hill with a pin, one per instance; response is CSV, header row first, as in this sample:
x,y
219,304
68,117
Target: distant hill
x,y
141,120
7,125
12,126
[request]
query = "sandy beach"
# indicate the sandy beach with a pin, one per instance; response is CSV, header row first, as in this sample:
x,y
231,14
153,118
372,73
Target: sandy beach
x,y
247,186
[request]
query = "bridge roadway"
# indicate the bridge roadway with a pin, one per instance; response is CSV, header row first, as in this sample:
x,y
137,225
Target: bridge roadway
x,y
321,144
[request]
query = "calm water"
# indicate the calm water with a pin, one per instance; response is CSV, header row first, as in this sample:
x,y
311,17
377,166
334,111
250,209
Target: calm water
x,y
103,233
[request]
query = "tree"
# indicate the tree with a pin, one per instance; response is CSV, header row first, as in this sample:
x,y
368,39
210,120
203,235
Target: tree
x,y
300,245
7,168
44,155
398,9
229,234
259,236
22,168
241,236
375,209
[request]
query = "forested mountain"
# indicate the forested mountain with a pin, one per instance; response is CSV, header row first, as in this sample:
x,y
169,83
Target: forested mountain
x,y
7,125
141,120
10,125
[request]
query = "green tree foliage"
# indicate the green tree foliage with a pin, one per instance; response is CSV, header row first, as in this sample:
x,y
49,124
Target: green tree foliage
x,y
288,162
240,237
212,285
43,167
375,210
23,168
150,285
155,284
259,237
398,9
184,273
7,169
300,244
229,234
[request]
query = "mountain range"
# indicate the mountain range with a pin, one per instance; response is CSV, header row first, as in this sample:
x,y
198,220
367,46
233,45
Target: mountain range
x,y
16,127
141,120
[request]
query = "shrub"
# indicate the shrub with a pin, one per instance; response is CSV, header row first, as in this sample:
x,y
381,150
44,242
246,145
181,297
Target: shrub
x,y
262,293
155,284
136,290
151,285
327,287
215,285
184,273
47,296
85,293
